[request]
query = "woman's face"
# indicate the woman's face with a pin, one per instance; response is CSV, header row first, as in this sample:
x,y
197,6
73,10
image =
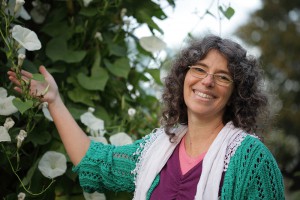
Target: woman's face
x,y
203,97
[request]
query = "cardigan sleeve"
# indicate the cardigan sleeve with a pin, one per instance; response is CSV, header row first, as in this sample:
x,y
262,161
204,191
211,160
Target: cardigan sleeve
x,y
253,174
107,167
266,182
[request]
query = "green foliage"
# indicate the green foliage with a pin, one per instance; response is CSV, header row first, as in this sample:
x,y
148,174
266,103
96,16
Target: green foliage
x,y
90,72
274,29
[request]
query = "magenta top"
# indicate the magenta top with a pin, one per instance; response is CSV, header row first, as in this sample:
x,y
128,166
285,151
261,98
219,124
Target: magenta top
x,y
176,185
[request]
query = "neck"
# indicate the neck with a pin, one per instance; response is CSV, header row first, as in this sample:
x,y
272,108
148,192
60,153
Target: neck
x,y
201,135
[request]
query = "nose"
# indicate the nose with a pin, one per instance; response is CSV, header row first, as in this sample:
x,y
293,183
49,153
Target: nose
x,y
208,81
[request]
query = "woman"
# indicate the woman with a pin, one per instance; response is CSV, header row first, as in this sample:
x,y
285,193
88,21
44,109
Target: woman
x,y
206,147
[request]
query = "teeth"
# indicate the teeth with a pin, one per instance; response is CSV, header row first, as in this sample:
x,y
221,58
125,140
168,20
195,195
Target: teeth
x,y
200,94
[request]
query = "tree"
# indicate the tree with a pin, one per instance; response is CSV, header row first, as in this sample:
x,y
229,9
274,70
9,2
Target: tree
x,y
275,30
100,65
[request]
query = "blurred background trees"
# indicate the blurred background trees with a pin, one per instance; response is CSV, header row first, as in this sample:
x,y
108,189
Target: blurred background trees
x,y
275,31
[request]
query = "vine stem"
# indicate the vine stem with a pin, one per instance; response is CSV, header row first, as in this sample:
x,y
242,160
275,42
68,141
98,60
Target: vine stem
x,y
23,186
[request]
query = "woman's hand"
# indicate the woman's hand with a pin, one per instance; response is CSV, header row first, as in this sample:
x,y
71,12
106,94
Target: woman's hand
x,y
48,90
75,140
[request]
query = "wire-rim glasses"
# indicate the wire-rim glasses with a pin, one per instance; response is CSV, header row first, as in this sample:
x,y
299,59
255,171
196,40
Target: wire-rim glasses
x,y
219,78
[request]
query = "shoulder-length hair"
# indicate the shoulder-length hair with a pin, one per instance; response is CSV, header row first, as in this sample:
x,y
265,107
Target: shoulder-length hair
x,y
247,102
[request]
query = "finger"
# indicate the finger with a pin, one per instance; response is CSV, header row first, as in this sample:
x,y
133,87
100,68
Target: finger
x,y
14,80
11,73
18,89
44,71
26,74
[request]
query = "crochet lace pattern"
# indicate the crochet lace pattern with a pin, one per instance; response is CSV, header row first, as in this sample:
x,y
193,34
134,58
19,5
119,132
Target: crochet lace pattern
x,y
252,174
252,171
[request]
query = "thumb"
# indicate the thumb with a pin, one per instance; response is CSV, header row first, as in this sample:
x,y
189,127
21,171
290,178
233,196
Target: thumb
x,y
44,71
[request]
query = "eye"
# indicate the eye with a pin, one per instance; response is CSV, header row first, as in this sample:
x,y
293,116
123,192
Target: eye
x,y
223,77
199,70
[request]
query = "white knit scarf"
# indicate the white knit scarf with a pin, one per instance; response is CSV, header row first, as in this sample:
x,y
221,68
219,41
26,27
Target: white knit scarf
x,y
158,150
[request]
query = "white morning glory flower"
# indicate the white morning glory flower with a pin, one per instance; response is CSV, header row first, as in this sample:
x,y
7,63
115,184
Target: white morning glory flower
x,y
152,43
44,107
131,112
21,196
53,164
27,38
95,125
86,3
99,139
94,196
16,9
18,5
4,136
120,139
6,104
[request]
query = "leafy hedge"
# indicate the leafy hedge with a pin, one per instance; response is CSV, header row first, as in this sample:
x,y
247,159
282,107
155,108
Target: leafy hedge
x,y
97,60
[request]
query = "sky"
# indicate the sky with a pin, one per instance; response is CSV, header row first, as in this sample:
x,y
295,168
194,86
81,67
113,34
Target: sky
x,y
185,18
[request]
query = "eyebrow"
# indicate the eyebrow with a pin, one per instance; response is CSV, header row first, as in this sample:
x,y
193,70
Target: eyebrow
x,y
205,65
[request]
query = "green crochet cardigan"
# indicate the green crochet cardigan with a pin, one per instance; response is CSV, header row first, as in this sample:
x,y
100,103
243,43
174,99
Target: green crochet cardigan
x,y
252,172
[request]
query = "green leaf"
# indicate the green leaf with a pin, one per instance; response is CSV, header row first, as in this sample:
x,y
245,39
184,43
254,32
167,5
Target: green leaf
x,y
55,30
120,67
143,16
30,173
39,138
117,50
57,50
21,105
96,82
88,12
228,13
155,73
98,78
38,77
80,95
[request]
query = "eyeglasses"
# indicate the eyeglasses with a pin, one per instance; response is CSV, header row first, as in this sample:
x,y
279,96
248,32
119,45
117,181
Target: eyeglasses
x,y
220,78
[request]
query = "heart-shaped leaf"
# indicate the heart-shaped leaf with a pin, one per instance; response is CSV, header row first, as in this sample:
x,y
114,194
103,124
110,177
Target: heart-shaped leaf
x,y
21,105
38,77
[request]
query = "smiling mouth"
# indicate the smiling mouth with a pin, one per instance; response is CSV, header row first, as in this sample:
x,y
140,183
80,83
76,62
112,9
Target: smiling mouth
x,y
200,94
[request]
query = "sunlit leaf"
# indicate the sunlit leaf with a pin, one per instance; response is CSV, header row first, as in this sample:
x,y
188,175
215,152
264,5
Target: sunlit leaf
x,y
228,13
145,17
155,73
119,68
117,50
57,50
38,77
22,106
96,82
79,95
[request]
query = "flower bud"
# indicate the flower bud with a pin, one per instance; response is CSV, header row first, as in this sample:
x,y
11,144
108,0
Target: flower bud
x,y
21,58
98,36
19,4
20,138
9,122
